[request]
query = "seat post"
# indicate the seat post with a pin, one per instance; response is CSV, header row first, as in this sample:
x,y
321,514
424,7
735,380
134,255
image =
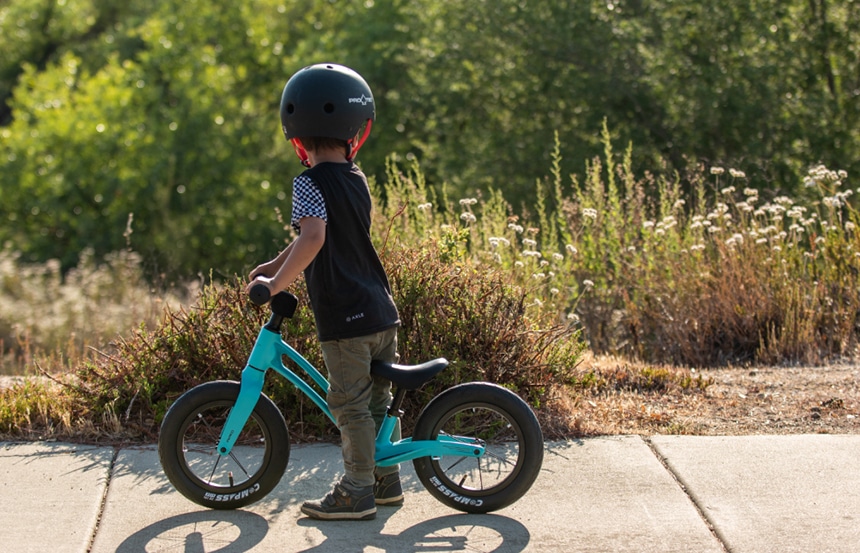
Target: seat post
x,y
395,409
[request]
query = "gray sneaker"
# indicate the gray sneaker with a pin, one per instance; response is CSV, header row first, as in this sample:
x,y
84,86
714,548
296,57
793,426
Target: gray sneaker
x,y
387,490
343,503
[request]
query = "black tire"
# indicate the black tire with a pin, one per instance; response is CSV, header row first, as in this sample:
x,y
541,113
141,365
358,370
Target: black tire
x,y
508,429
187,448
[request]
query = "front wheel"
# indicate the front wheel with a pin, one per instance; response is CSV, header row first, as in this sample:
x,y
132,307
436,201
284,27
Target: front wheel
x,y
187,448
497,419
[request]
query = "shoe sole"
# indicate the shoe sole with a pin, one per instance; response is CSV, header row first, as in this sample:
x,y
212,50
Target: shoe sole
x,y
369,514
390,501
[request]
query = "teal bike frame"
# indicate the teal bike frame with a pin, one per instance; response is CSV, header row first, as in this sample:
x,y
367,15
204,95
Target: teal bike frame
x,y
268,353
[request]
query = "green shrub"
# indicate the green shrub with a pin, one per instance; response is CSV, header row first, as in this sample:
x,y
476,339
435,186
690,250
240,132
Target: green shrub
x,y
481,322
466,313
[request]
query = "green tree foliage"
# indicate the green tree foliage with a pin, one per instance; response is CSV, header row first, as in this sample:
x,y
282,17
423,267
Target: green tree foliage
x,y
155,125
161,133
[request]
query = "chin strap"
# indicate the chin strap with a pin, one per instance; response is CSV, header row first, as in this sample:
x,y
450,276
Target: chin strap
x,y
354,146
300,151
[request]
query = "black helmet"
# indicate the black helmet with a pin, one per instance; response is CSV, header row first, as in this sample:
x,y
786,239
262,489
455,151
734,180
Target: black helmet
x,y
327,100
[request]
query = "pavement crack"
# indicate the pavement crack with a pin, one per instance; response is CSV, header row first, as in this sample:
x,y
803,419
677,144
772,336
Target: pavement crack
x,y
699,509
103,501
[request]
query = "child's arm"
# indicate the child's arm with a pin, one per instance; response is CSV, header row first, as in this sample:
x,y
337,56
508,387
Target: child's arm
x,y
271,268
300,253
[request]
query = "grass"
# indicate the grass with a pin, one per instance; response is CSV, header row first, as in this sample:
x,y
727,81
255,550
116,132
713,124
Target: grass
x,y
51,320
674,274
700,272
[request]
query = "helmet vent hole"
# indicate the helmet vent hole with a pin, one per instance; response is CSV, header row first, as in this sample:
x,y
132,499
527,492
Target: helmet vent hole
x,y
291,108
328,108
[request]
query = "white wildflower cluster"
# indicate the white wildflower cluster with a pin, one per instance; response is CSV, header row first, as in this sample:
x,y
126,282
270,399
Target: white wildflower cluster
x,y
465,202
796,212
468,217
516,228
589,212
720,210
821,175
839,199
529,243
697,247
734,173
571,249
557,257
728,190
775,209
668,222
588,283
531,253
425,207
735,240
495,241
746,207
661,227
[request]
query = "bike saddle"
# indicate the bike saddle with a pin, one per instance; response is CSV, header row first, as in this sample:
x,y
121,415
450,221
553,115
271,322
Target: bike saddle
x,y
408,377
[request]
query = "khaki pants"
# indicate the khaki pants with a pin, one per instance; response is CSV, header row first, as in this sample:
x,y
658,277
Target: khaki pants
x,y
358,400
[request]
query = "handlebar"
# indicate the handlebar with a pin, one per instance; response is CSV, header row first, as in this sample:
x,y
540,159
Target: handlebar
x,y
283,304
259,294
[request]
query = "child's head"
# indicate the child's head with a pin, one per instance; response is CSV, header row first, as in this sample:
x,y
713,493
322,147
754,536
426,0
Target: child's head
x,y
326,106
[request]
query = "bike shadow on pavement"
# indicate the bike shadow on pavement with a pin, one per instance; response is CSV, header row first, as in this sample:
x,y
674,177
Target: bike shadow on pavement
x,y
242,531
200,531
455,532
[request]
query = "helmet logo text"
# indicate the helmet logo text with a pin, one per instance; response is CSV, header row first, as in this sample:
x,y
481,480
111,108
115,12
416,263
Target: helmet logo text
x,y
363,100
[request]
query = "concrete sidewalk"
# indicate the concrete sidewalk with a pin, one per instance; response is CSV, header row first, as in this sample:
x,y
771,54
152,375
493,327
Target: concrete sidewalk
x,y
660,494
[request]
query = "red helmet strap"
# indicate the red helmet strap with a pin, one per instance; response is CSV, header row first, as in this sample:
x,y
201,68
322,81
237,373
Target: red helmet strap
x,y
300,151
353,148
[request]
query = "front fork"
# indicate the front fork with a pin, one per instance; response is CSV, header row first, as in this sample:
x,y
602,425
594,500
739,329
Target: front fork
x,y
251,388
249,394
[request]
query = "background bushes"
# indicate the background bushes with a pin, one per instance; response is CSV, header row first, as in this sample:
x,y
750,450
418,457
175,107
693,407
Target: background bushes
x,y
162,116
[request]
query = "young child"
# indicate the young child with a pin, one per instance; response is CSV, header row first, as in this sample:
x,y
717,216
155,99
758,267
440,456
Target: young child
x,y
323,110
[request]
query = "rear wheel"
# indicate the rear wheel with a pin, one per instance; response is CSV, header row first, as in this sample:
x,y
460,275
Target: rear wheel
x,y
498,420
189,437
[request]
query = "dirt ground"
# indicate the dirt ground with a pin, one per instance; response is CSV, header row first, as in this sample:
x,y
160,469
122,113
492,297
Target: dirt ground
x,y
773,400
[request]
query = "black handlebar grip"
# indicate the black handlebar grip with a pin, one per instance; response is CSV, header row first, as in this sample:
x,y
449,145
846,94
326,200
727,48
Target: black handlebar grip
x,y
260,294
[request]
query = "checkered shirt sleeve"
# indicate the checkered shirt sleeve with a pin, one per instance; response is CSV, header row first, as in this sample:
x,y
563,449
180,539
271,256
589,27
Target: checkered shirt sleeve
x,y
308,201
